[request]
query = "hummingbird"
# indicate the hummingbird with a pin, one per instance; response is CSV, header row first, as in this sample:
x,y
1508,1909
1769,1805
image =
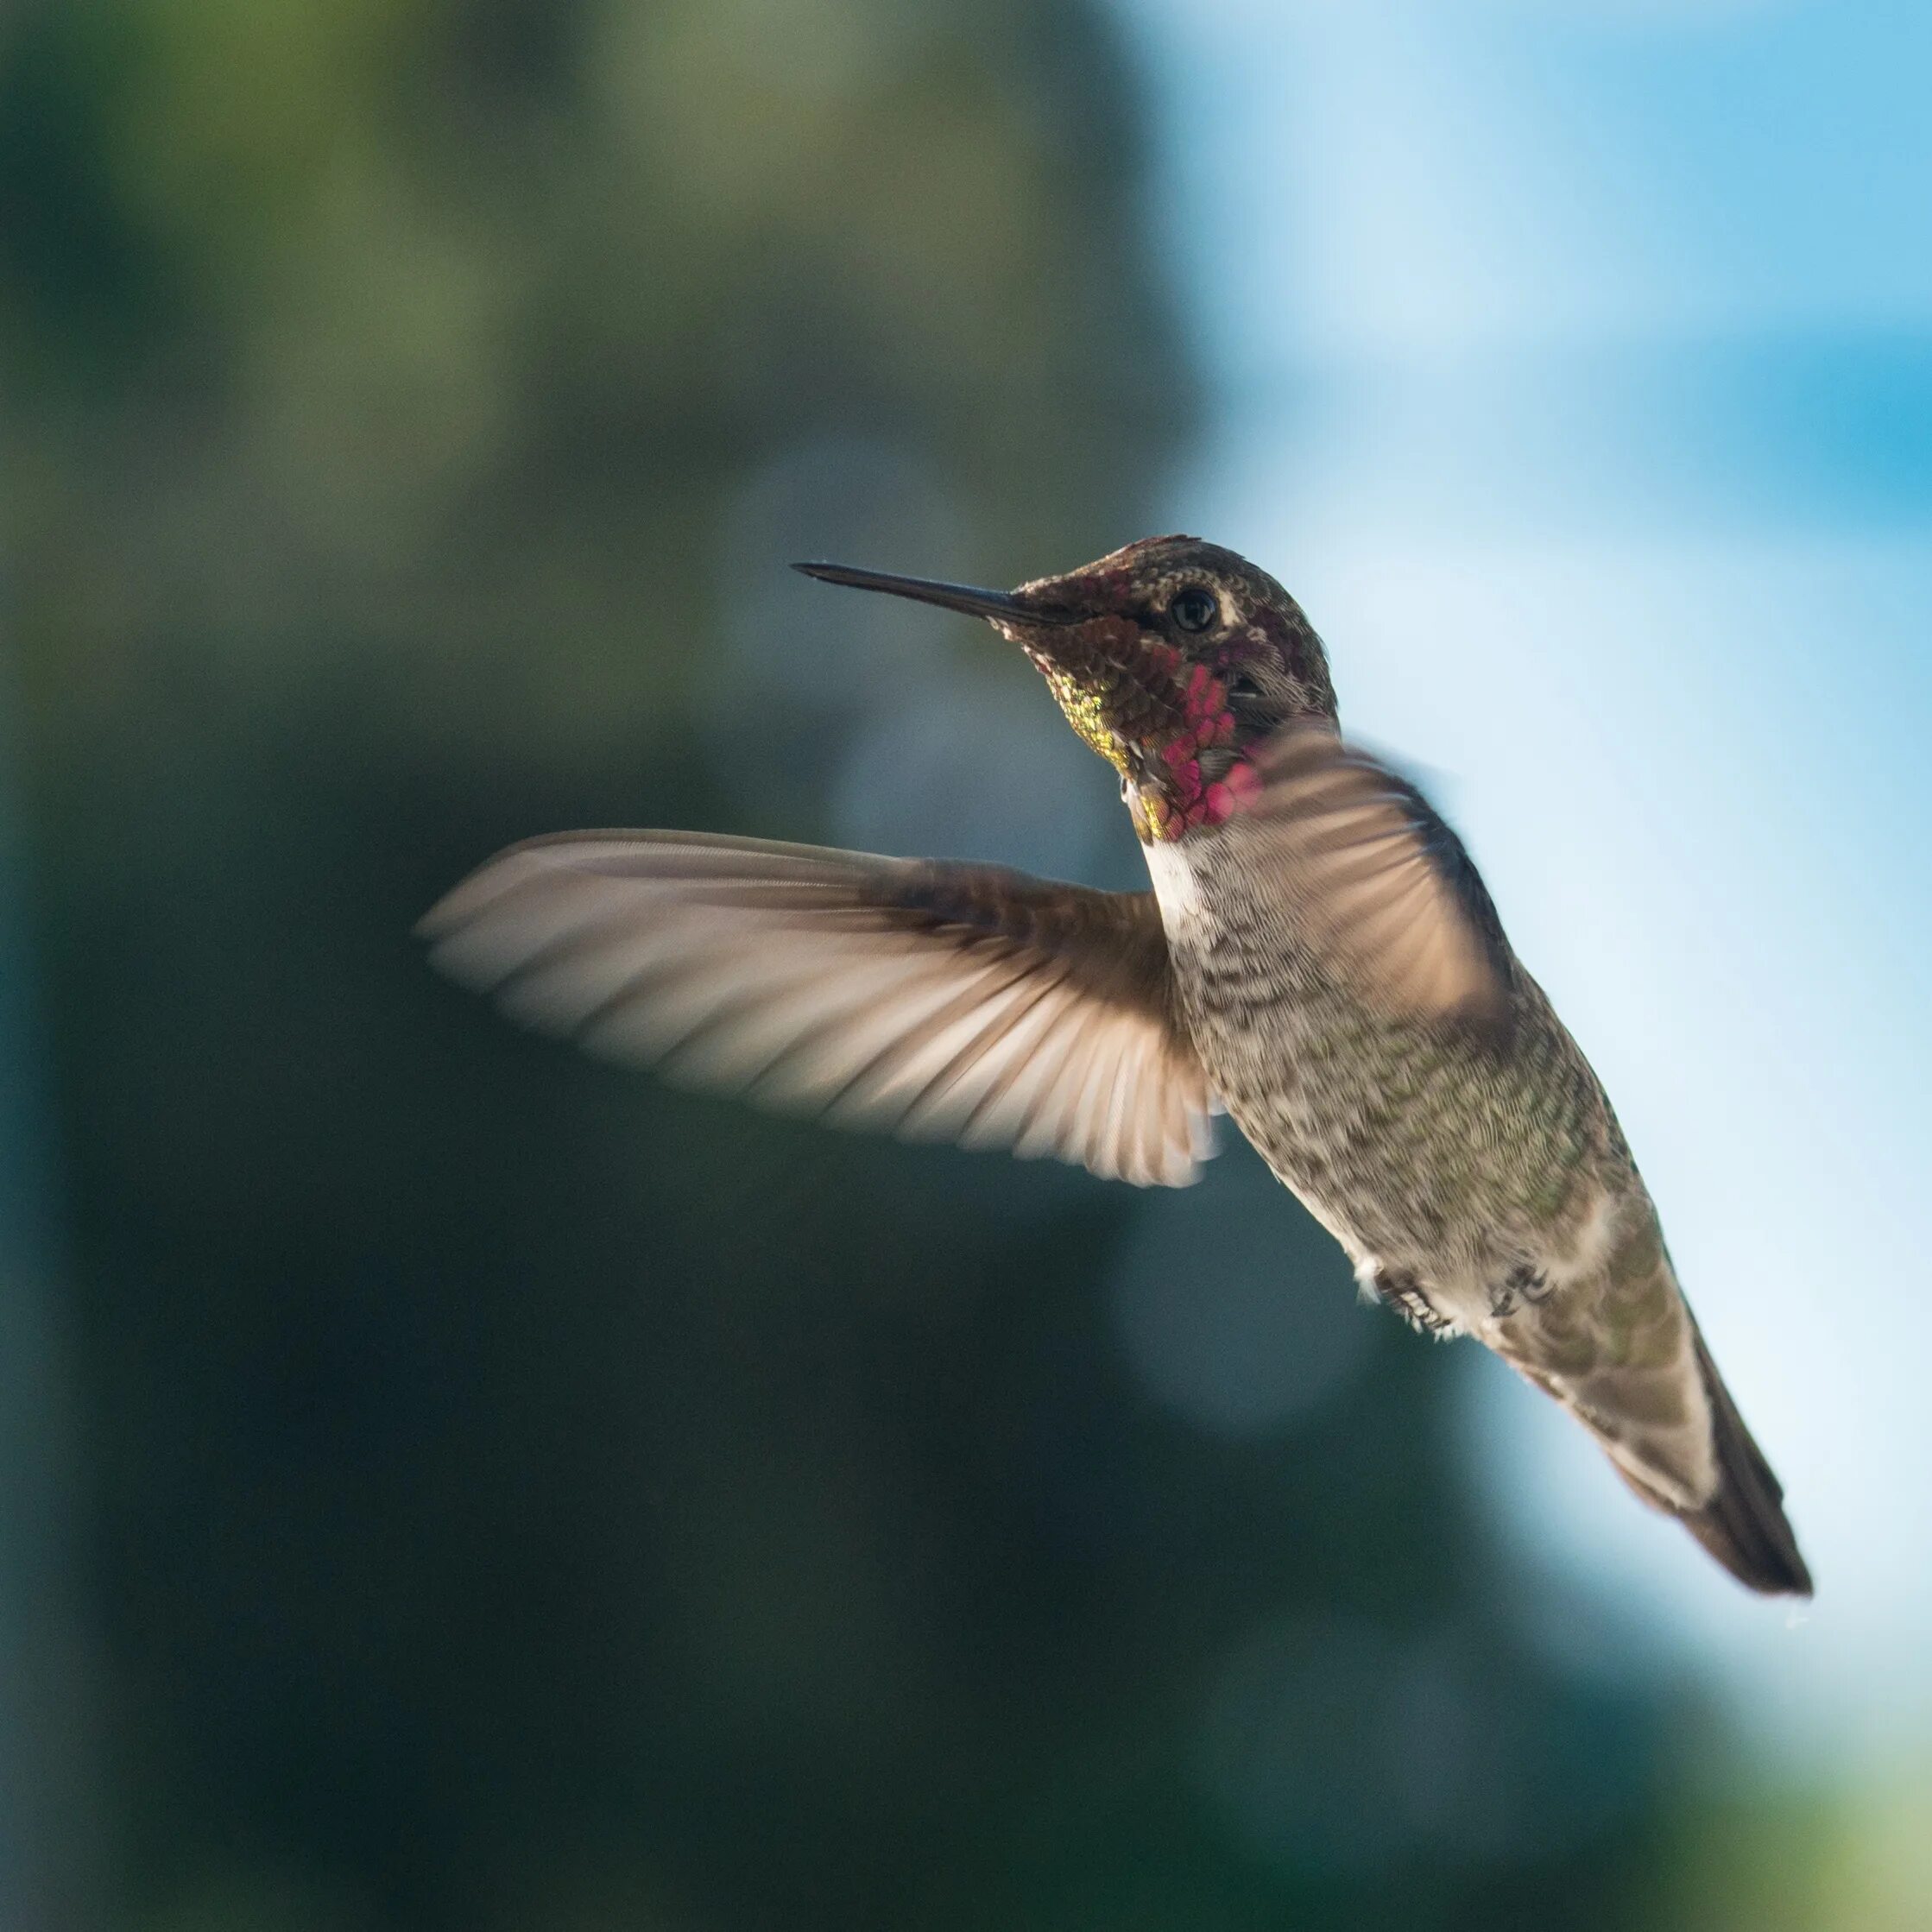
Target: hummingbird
x,y
1316,957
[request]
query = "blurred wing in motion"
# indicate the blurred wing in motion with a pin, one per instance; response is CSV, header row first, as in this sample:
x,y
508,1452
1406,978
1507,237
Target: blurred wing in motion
x,y
1383,888
938,1000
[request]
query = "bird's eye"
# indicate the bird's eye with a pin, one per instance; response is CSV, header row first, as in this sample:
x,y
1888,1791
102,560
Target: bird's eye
x,y
1194,609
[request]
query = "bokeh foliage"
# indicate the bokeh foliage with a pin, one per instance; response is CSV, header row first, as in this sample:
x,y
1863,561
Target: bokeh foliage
x,y
517,1496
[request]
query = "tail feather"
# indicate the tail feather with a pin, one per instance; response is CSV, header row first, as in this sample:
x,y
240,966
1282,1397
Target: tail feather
x,y
1744,1525
1625,1354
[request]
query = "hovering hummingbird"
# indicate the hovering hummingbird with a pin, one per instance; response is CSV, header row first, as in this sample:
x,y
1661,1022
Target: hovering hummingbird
x,y
1317,958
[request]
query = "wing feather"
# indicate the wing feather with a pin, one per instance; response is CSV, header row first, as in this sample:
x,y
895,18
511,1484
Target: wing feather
x,y
1384,890
935,1001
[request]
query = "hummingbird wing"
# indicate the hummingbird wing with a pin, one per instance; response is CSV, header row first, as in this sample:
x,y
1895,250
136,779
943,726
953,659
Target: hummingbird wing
x,y
938,1001
1383,890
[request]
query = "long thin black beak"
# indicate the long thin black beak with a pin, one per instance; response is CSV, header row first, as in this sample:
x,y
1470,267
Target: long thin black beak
x,y
1002,607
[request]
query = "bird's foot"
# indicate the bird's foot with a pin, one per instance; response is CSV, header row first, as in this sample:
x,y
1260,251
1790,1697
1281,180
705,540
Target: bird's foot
x,y
1405,1294
1522,1283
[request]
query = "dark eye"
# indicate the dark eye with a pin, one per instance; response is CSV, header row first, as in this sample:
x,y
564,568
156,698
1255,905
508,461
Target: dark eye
x,y
1194,609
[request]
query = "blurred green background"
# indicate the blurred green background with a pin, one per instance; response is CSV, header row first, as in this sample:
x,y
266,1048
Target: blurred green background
x,y
452,1484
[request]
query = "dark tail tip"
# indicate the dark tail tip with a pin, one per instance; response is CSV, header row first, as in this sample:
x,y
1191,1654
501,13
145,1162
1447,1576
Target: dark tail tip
x,y
1744,1525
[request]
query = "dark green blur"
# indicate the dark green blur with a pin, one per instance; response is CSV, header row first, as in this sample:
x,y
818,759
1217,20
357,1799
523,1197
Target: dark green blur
x,y
506,1494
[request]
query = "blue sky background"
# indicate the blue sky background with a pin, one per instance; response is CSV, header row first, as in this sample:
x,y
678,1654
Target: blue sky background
x,y
1573,365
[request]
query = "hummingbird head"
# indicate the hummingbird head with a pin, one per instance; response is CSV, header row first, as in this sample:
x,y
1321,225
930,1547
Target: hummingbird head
x,y
1172,658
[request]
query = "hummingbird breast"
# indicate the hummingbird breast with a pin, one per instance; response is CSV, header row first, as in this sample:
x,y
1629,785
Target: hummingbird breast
x,y
1428,1154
